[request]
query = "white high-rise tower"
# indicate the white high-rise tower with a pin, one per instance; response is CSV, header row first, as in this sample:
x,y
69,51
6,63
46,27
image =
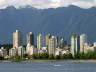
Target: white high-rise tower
x,y
39,42
75,45
83,40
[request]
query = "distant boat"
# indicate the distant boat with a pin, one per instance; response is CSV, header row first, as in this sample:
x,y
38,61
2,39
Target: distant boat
x,y
57,65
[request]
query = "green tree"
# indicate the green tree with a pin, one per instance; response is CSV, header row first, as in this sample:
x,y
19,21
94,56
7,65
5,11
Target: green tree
x,y
35,56
57,57
51,56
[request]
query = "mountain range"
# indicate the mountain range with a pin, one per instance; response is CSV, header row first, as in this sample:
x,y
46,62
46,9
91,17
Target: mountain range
x,y
62,21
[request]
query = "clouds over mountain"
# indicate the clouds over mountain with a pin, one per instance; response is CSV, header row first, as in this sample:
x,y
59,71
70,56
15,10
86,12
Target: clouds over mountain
x,y
42,4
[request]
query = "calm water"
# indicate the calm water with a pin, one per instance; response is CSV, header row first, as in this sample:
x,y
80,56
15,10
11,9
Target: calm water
x,y
48,67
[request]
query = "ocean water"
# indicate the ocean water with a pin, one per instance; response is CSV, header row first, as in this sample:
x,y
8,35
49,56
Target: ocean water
x,y
62,66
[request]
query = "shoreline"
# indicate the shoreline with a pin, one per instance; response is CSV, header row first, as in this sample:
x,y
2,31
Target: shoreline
x,y
32,61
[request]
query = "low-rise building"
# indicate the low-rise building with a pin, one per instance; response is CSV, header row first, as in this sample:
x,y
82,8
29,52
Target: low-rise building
x,y
21,51
3,52
30,49
88,48
12,52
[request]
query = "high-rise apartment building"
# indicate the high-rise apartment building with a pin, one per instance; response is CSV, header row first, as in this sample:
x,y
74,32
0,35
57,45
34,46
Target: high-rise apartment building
x,y
83,40
47,39
30,38
39,42
61,43
17,39
75,45
52,45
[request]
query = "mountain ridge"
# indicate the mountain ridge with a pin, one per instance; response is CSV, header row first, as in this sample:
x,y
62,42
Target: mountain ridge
x,y
61,21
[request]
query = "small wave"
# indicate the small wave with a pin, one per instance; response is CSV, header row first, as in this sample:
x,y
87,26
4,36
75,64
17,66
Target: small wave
x,y
57,65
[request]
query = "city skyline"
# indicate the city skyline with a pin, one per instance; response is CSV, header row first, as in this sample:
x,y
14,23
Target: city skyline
x,y
79,43
48,35
53,45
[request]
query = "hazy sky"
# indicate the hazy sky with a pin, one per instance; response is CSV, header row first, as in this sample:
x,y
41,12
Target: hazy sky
x,y
47,3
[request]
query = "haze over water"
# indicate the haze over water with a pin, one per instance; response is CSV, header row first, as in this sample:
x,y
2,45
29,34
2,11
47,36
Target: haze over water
x,y
48,67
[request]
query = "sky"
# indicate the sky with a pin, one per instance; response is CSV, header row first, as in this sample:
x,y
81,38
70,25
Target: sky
x,y
42,4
